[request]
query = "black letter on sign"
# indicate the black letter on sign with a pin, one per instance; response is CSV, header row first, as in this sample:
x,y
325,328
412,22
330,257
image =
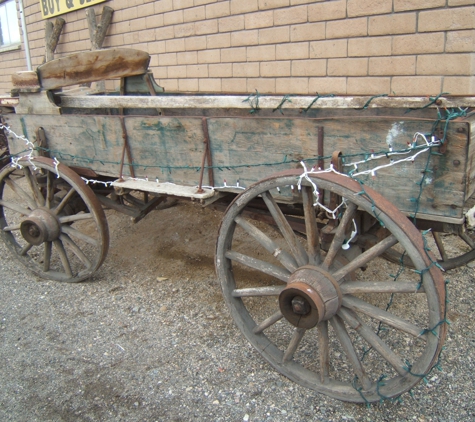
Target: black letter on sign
x,y
51,6
44,7
69,4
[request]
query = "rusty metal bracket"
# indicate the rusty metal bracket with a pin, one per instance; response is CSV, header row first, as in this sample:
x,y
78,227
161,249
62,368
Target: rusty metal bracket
x,y
206,157
42,142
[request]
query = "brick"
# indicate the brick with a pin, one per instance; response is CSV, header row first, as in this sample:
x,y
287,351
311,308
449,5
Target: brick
x,y
245,70
388,66
197,71
177,71
187,57
273,4
232,23
447,64
349,28
307,32
348,67
202,2
261,53
295,2
460,41
368,86
263,85
368,7
153,21
290,15
195,43
403,23
365,47
245,38
291,86
459,85
170,85
259,20
292,51
156,47
234,85
331,48
233,55
206,27
175,45
172,18
145,10
182,4
209,85
327,85
194,14
274,35
188,85
447,19
168,59
418,43
218,41
416,85
164,33
218,10
275,68
222,70
243,6
309,67
326,11
184,30
402,5
460,2
159,72
209,56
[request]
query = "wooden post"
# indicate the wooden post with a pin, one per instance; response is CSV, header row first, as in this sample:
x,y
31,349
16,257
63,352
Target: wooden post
x,y
97,32
52,33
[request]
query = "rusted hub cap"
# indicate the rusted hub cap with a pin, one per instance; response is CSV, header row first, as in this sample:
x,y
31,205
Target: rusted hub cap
x,y
40,226
311,296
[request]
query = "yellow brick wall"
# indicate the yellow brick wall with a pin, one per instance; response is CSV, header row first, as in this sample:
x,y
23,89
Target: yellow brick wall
x,y
367,47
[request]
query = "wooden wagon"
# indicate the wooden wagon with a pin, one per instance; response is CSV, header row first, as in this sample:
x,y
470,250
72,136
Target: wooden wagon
x,y
318,190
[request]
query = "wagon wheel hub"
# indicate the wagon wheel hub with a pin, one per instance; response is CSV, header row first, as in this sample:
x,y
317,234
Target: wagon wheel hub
x,y
40,226
311,296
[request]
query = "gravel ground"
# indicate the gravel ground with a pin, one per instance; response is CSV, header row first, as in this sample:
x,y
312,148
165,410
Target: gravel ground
x,y
149,338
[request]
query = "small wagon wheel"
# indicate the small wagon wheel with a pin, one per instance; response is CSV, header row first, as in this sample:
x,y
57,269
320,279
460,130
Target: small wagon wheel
x,y
316,316
51,220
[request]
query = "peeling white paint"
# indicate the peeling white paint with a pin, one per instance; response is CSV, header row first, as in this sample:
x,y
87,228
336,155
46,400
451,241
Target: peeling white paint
x,y
396,129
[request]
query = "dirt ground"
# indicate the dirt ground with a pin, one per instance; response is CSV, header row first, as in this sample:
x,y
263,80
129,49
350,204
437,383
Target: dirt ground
x,y
150,338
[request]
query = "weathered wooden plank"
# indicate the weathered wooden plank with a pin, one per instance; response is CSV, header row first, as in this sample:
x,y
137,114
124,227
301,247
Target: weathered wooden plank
x,y
92,66
470,183
265,102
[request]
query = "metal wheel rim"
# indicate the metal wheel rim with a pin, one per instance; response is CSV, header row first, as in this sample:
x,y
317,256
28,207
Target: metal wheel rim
x,y
432,281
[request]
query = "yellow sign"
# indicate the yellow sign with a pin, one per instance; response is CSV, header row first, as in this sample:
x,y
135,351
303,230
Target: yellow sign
x,y
50,8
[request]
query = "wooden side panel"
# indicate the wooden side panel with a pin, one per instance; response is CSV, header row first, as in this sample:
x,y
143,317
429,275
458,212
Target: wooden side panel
x,y
470,184
245,150
92,66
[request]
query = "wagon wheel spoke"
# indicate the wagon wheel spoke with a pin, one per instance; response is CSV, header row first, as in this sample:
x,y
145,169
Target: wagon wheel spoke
x,y
350,351
285,258
467,239
43,220
47,256
365,257
358,305
257,264
258,291
294,344
329,312
313,239
354,287
76,250
21,193
324,351
295,246
340,234
64,257
64,201
373,340
37,196
79,235
268,322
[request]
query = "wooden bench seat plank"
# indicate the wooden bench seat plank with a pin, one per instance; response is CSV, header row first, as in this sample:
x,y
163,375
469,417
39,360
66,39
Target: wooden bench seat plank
x,y
92,66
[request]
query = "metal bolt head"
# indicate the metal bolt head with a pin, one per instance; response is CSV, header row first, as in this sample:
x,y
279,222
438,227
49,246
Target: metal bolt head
x,y
300,306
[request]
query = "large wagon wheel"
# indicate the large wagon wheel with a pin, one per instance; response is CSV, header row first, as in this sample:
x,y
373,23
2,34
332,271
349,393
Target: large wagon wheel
x,y
316,316
52,221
